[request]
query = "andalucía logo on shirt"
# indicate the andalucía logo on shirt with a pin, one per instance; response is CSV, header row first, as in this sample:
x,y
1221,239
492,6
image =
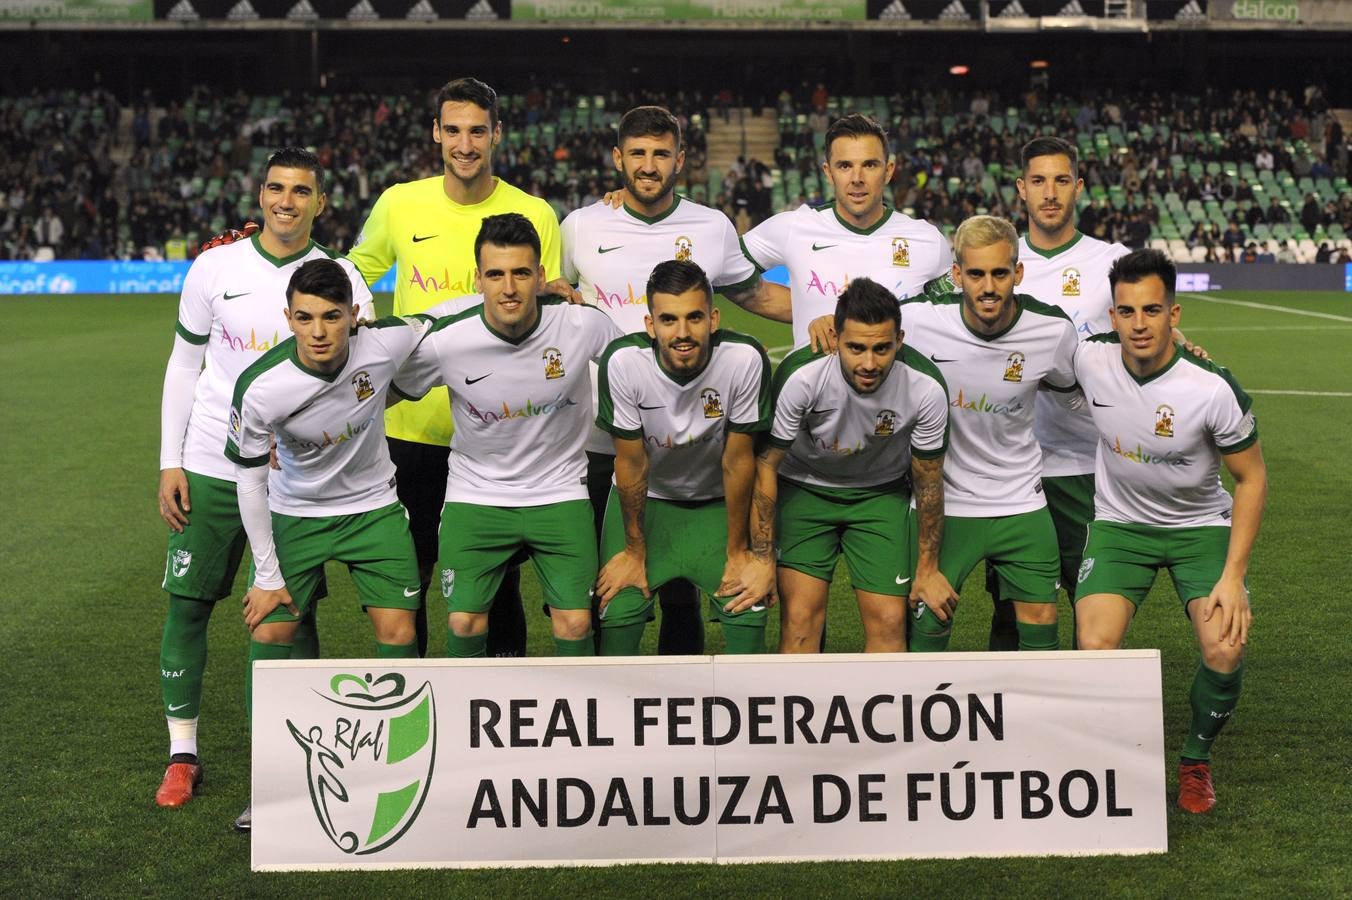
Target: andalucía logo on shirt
x,y
368,761
684,249
361,383
713,404
1014,367
1070,282
1164,421
553,357
901,252
885,423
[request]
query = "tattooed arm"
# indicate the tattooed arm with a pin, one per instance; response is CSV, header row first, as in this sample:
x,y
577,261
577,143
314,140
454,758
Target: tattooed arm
x,y
929,585
629,567
756,583
764,298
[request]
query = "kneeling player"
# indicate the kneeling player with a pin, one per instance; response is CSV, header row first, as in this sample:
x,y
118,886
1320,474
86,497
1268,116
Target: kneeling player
x,y
517,366
322,394
846,429
1166,420
683,403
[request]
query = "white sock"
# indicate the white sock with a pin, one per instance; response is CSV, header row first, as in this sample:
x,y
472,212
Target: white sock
x,y
182,735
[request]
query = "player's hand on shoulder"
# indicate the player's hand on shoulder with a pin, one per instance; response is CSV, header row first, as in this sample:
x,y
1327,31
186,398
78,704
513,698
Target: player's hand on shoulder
x,y
615,199
260,602
565,290
229,236
173,498
625,569
821,332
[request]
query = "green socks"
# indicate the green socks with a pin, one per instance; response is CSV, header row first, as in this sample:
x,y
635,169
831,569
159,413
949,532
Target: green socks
x,y
396,651
183,658
466,647
1214,697
583,646
622,640
1038,637
928,634
305,642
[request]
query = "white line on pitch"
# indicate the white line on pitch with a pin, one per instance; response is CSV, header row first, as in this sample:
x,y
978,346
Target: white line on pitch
x,y
777,354
1210,328
1307,393
1268,306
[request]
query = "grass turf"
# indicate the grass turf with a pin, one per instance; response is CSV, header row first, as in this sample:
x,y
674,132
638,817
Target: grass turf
x,y
83,739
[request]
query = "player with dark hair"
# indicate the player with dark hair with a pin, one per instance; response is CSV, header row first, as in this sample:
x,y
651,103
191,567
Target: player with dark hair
x,y
1166,421
231,311
684,402
848,428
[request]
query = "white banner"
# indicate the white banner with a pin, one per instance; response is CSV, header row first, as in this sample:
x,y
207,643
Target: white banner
x,y
442,763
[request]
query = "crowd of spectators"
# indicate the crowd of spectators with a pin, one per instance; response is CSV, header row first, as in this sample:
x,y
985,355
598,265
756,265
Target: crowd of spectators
x,y
86,178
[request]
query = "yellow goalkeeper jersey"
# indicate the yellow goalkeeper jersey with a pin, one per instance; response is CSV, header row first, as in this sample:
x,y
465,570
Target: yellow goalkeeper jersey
x,y
429,239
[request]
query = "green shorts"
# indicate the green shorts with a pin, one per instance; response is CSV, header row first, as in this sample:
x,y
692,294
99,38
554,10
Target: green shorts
x,y
1070,498
376,546
478,542
685,540
872,530
1021,547
1123,559
205,556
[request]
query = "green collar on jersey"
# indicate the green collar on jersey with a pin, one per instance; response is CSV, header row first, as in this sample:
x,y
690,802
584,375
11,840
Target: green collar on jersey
x,y
653,220
280,261
1055,251
329,377
715,338
1018,313
1143,380
887,214
541,302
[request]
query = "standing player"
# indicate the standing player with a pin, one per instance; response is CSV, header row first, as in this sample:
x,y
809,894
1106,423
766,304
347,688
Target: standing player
x,y
995,349
856,236
231,311
684,402
609,252
426,230
522,411
847,428
321,395
1166,420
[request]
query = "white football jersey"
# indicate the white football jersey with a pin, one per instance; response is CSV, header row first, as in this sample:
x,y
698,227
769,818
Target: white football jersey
x,y
683,420
993,466
1073,277
330,428
233,301
1161,437
823,253
841,439
521,407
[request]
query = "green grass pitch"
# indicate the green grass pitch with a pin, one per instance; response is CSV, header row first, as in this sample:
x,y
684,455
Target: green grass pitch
x,y
83,744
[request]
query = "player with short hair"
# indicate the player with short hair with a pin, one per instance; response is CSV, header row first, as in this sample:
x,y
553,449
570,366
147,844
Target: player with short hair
x,y
854,236
522,411
996,350
684,402
321,394
609,252
1166,420
426,230
848,428
231,311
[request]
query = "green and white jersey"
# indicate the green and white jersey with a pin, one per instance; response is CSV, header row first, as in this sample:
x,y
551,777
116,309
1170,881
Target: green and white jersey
x,y
521,406
840,439
993,466
330,428
823,253
1073,277
683,421
1161,437
233,304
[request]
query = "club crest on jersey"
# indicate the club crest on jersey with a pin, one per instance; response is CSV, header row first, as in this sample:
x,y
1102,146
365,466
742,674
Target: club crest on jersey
x,y
885,423
713,404
684,248
901,252
180,562
1085,568
447,582
1014,367
1070,282
361,383
1164,421
553,358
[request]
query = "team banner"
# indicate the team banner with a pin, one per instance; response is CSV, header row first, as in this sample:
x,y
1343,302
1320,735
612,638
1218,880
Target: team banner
x,y
78,10
81,276
445,763
702,10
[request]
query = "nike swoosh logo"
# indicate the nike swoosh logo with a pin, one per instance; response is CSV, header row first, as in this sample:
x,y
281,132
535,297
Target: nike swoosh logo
x,y
938,360
469,380
177,708
901,580
823,246
1103,405
600,249
919,609
1200,737
822,412
229,296
659,406
410,592
425,237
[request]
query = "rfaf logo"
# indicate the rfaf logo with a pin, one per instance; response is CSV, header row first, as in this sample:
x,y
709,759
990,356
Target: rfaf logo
x,y
368,761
